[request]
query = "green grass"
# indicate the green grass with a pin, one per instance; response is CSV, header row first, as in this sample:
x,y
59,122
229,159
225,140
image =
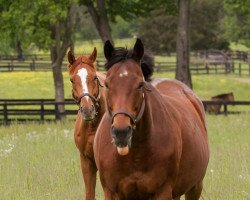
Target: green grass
x,y
40,85
40,161
23,85
238,47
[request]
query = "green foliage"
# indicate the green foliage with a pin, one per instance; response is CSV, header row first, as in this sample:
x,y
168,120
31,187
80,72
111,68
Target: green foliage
x,y
206,31
30,21
238,21
124,29
159,32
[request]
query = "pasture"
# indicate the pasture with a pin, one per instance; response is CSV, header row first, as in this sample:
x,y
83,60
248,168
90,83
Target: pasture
x,y
40,161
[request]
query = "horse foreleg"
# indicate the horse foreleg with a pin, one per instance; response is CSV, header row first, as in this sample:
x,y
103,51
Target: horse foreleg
x,y
89,175
194,193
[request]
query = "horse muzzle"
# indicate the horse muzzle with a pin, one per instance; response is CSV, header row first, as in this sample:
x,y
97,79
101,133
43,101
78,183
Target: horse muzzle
x,y
88,113
122,139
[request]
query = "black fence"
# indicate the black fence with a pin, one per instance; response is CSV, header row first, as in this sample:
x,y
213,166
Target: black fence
x,y
202,62
47,109
34,109
160,67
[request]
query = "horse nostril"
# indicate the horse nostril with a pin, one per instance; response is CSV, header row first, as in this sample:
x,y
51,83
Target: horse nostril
x,y
81,109
128,129
92,107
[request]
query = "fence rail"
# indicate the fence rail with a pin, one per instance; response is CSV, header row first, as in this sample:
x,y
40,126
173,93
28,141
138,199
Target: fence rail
x,y
196,68
46,109
202,62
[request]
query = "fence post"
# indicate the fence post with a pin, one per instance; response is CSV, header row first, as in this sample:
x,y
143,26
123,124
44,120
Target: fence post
x,y
233,67
9,67
225,108
5,113
206,65
56,110
32,65
240,69
42,110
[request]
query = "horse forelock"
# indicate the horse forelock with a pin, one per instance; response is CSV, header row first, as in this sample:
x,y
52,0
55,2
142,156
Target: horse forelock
x,y
83,61
122,54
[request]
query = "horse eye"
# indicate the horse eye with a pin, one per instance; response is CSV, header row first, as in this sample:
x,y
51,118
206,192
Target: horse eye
x,y
106,85
71,80
141,85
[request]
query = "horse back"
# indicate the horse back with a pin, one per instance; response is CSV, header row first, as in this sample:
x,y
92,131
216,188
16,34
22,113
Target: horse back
x,y
181,93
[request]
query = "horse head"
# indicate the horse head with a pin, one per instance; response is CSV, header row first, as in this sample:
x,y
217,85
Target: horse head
x,y
125,93
85,84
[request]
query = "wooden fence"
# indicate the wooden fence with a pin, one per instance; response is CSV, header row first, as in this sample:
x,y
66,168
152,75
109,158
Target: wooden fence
x,y
202,62
46,109
196,68
34,109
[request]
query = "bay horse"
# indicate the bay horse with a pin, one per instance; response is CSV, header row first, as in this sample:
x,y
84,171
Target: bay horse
x,y
88,94
225,97
152,140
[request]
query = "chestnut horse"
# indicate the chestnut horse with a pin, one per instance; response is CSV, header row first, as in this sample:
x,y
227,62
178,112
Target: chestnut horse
x,y
87,92
152,141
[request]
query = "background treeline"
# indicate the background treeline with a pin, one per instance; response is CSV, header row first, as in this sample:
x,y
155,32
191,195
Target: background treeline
x,y
214,23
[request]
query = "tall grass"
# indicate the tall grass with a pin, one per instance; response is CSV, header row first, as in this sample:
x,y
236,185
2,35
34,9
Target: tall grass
x,y
40,161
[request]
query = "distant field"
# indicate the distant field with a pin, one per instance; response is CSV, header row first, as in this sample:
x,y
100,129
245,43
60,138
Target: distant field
x,y
40,161
40,85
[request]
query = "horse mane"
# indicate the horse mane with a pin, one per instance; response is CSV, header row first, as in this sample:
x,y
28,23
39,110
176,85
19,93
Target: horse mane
x,y
121,54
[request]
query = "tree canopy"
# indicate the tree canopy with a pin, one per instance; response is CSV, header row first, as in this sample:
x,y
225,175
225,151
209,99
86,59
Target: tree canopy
x,y
206,30
237,21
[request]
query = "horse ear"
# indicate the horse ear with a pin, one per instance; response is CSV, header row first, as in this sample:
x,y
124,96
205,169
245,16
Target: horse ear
x,y
138,50
93,55
71,57
108,49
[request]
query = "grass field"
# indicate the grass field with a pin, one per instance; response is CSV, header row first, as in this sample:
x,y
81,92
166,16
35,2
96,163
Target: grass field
x,y
40,84
40,161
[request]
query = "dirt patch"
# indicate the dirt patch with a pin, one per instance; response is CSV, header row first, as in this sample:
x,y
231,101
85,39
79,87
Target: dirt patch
x,y
243,80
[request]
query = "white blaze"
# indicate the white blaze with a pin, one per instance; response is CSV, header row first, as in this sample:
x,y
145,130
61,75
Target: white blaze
x,y
82,73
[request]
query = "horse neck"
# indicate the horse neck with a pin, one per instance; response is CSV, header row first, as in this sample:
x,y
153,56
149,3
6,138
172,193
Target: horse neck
x,y
153,107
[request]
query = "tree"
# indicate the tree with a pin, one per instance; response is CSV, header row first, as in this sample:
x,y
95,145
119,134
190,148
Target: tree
x,y
238,20
105,11
98,12
206,28
11,29
182,44
49,25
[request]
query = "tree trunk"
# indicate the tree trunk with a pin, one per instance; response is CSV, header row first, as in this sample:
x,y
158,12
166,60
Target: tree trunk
x,y
100,18
182,45
19,50
57,53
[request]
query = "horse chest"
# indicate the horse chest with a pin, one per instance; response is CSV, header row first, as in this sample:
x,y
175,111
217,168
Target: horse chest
x,y
139,174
